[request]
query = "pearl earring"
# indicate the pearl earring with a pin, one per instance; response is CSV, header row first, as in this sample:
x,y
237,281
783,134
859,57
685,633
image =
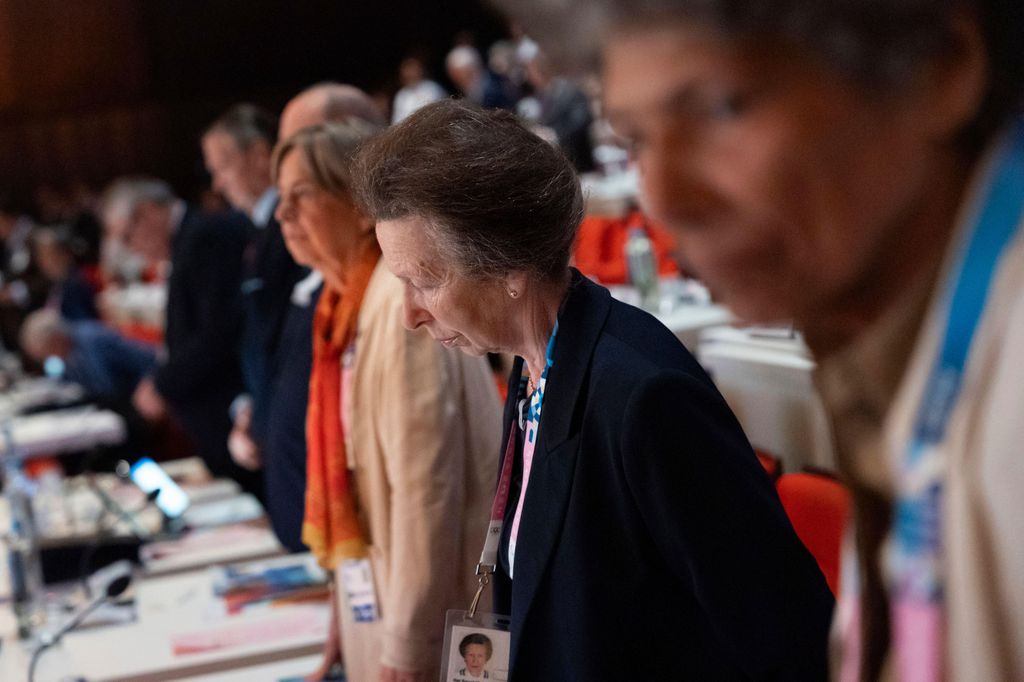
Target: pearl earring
x,y
513,293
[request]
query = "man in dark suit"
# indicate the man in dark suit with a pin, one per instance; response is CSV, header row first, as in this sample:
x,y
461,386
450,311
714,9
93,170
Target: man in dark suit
x,y
284,466
279,296
565,109
199,374
236,149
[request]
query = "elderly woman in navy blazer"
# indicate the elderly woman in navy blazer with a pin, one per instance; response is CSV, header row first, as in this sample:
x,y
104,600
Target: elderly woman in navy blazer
x,y
641,538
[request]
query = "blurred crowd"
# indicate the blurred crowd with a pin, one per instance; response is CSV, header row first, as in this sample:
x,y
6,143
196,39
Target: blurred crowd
x,y
855,171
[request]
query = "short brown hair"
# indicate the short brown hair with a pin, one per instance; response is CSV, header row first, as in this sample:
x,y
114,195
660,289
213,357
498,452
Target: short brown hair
x,y
498,197
246,124
327,150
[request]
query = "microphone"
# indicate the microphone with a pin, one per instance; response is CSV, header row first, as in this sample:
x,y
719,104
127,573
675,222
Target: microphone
x,y
115,588
112,507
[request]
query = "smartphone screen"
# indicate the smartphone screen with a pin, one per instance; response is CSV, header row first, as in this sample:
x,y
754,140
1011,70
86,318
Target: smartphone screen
x,y
149,476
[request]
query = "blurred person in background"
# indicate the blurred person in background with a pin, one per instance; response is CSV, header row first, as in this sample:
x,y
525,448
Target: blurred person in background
x,y
417,90
70,293
476,82
328,102
400,431
15,229
198,374
108,366
641,537
105,364
563,108
857,168
236,149
23,288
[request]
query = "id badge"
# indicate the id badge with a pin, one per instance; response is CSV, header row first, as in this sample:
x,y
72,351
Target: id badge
x,y
357,581
476,648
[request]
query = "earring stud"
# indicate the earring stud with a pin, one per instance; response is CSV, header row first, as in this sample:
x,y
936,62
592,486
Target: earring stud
x,y
513,293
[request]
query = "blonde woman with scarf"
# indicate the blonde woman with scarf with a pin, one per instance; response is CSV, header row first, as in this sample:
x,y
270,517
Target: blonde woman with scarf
x,y
400,432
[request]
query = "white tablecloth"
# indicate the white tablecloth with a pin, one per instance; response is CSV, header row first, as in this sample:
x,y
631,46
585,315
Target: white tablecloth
x,y
767,380
68,430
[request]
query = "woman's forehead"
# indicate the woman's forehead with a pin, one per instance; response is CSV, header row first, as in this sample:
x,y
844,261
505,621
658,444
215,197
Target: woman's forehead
x,y
408,244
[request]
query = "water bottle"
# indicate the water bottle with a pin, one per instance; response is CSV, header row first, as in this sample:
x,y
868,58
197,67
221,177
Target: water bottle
x,y
642,268
24,563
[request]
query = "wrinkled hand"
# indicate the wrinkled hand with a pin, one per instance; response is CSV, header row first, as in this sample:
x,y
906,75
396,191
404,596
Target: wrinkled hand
x,y
392,675
243,448
148,401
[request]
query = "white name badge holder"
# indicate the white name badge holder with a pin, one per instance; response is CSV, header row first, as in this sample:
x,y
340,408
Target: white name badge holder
x,y
357,581
477,646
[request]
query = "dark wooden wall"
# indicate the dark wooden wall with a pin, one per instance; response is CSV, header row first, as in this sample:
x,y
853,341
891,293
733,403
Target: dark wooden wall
x,y
91,89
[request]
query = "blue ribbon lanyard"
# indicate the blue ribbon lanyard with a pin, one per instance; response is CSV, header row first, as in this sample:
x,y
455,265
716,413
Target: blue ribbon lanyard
x,y
917,523
489,555
533,410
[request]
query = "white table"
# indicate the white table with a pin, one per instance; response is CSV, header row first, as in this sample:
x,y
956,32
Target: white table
x,y
167,609
688,321
684,319
767,379
30,393
68,430
210,546
610,195
267,672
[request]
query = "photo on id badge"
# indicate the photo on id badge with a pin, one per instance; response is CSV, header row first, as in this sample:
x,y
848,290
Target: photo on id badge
x,y
477,653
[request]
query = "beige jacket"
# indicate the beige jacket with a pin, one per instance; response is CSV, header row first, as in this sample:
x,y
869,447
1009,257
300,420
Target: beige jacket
x,y
423,436
984,500
983,518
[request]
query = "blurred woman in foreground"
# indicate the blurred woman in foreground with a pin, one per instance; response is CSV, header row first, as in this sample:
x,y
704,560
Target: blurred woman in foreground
x,y
858,167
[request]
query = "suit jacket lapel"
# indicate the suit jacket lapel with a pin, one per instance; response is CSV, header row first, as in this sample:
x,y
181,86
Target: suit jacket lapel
x,y
554,461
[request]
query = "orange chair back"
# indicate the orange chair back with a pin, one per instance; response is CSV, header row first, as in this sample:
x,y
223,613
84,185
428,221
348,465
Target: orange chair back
x,y
818,507
600,248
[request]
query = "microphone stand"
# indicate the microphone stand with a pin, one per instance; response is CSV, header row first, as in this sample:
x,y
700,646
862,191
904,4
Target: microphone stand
x,y
46,640
110,506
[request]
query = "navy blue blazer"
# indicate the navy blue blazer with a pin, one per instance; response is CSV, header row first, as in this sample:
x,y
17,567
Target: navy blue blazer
x,y
201,375
268,276
652,545
284,456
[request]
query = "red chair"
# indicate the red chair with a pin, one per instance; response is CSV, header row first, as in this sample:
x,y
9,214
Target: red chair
x,y
772,464
600,248
818,507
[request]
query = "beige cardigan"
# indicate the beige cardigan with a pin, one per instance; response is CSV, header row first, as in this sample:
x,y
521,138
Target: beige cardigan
x,y
984,500
423,441
983,515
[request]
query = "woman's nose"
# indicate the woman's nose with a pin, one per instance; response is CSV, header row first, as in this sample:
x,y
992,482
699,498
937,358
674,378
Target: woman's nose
x,y
283,212
415,315
660,178
673,188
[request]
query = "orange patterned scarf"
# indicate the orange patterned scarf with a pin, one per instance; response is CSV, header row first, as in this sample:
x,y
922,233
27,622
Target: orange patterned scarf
x,y
331,526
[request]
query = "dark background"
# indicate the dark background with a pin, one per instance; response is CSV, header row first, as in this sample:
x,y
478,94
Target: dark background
x,y
92,89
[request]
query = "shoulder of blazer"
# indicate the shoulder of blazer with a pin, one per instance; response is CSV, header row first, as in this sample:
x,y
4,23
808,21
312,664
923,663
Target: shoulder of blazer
x,y
598,334
228,228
